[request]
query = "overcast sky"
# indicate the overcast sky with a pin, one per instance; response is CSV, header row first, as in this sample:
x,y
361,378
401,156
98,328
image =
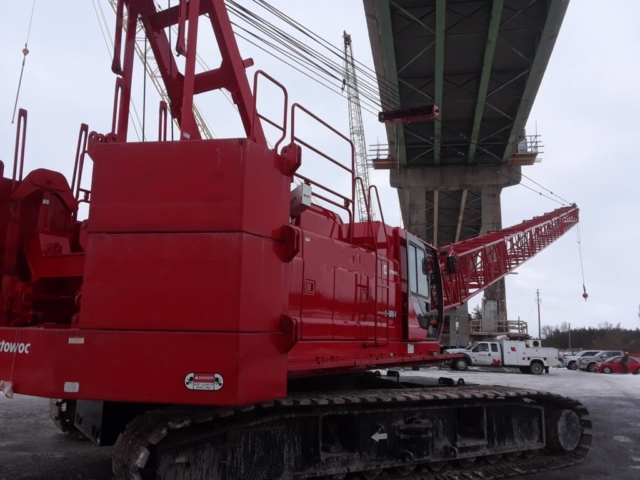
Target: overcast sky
x,y
586,111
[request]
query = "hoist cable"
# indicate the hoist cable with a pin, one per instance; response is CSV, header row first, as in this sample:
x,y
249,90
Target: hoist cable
x,y
25,52
294,59
484,150
361,67
371,91
579,239
296,68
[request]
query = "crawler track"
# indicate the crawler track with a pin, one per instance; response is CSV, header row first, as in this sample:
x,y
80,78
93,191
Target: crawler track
x,y
170,443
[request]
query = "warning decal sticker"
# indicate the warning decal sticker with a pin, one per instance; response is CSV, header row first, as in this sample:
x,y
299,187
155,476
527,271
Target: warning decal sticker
x,y
204,381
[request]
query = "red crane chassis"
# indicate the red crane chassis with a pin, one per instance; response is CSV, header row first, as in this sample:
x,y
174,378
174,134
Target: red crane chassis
x,y
196,281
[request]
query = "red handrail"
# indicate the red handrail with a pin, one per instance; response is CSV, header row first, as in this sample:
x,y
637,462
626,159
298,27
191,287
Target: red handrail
x,y
78,164
163,116
384,225
282,128
18,156
349,202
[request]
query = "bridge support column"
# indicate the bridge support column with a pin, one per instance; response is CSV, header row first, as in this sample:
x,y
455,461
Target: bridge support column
x,y
417,212
491,221
446,204
456,327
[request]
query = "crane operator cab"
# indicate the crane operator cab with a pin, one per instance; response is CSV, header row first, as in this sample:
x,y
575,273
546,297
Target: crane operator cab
x,y
424,285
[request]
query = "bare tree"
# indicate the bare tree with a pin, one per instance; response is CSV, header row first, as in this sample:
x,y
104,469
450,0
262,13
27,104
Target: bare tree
x,y
547,331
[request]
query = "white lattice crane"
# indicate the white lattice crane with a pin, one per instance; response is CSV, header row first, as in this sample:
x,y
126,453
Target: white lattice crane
x,y
356,128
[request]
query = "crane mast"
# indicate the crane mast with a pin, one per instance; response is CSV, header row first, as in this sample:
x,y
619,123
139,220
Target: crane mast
x,y
356,129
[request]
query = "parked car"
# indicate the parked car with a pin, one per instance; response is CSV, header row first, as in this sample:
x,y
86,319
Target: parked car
x,y
587,363
614,365
571,361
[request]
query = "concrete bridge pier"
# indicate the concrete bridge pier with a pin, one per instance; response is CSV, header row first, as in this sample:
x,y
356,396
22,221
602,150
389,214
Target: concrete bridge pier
x,y
447,204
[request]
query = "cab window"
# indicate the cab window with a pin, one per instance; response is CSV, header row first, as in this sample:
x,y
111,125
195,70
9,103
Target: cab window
x,y
481,347
418,283
494,347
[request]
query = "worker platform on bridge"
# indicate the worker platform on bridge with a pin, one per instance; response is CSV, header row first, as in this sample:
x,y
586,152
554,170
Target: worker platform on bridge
x,y
482,63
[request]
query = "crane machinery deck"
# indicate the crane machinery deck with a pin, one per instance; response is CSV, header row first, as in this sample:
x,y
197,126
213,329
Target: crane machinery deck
x,y
210,325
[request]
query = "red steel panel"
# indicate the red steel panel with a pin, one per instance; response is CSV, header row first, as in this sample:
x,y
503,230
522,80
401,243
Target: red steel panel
x,y
137,366
206,185
207,282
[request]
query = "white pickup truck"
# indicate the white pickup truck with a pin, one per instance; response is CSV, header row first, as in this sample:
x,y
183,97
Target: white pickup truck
x,y
527,355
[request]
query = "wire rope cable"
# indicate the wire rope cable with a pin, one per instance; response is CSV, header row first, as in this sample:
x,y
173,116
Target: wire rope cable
x,y
25,52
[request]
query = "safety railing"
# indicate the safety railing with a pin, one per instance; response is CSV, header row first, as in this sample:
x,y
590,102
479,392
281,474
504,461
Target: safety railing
x,y
163,120
348,203
478,327
369,209
18,155
117,99
78,166
257,115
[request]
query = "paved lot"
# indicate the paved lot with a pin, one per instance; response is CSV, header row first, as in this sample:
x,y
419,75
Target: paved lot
x,y
613,402
32,449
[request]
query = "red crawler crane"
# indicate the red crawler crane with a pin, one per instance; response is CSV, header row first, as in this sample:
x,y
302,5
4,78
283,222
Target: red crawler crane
x,y
197,281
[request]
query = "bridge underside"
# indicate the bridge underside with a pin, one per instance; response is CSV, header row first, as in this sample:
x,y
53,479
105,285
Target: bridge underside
x,y
482,62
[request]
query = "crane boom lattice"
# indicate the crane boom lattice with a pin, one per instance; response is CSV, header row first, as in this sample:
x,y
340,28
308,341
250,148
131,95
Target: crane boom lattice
x,y
144,51
472,265
356,129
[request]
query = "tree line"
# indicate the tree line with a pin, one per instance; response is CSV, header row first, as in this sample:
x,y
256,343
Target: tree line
x,y
606,336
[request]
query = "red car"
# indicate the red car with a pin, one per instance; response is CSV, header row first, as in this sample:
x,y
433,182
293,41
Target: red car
x,y
614,365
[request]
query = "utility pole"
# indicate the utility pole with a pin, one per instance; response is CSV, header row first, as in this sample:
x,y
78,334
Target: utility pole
x,y
356,129
539,324
569,336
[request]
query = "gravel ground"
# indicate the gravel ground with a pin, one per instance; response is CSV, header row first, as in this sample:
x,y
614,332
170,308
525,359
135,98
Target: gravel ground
x,y
32,449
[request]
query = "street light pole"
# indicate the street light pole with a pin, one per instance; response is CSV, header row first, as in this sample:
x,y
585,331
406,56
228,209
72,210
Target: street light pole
x,y
539,324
